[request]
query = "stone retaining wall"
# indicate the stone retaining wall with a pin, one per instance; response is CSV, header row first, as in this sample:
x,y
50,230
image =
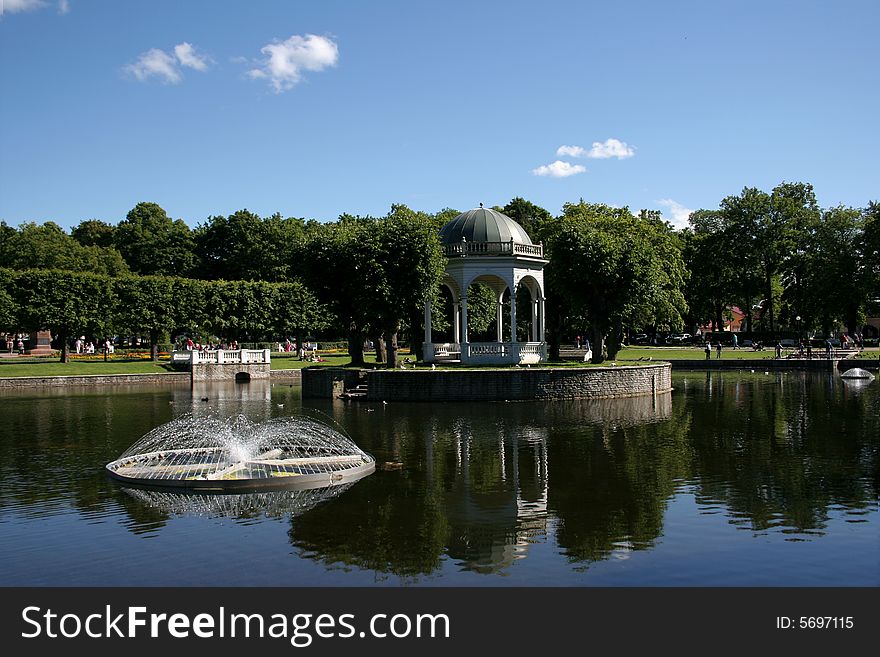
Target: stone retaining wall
x,y
172,378
517,384
328,382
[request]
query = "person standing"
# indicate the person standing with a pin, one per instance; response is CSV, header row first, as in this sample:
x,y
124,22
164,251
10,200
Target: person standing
x,y
708,351
718,350
735,341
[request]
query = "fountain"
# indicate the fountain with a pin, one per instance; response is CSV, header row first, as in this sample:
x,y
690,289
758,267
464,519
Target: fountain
x,y
216,454
237,506
857,373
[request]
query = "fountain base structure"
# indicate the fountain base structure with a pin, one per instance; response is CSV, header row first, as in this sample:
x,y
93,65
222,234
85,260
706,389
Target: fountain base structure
x,y
213,454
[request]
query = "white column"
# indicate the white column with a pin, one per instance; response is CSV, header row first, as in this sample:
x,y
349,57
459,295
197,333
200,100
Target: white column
x,y
456,323
513,314
541,319
464,333
427,322
534,336
499,319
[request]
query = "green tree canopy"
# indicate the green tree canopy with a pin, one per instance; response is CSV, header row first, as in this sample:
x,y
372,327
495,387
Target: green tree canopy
x,y
614,269
244,246
94,232
48,246
154,244
66,303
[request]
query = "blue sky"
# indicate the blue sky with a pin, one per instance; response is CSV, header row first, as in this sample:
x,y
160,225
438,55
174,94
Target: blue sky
x,y
318,108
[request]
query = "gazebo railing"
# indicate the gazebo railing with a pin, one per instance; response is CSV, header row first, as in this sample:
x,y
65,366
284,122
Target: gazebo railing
x,y
494,248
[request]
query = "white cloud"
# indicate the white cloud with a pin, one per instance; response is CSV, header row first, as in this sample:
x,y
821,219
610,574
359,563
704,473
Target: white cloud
x,y
571,151
286,60
155,63
16,6
165,66
187,56
601,150
676,213
558,169
611,148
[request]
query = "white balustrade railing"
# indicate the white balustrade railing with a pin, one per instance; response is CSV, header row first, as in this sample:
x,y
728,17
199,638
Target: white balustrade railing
x,y
445,350
494,248
222,357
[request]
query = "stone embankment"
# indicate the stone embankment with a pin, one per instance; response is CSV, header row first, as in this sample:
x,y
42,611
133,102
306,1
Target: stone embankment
x,y
492,385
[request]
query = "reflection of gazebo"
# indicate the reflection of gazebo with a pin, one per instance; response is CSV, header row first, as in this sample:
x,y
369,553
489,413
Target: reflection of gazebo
x,y
486,247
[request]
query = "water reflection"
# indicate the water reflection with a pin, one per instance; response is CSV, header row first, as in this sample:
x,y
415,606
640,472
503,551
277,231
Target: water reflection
x,y
473,490
238,506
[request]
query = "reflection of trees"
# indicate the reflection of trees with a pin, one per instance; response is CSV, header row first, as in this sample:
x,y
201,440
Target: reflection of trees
x,y
610,485
474,484
53,447
784,449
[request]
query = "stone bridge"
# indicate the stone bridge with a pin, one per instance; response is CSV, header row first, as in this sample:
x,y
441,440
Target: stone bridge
x,y
225,365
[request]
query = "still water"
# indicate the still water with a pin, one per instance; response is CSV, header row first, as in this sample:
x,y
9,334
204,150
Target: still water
x,y
736,479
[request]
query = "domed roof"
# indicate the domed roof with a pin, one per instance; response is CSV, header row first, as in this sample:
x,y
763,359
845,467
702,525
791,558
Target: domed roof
x,y
483,225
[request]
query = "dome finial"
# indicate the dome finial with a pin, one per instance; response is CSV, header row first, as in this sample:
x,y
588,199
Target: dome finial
x,y
481,205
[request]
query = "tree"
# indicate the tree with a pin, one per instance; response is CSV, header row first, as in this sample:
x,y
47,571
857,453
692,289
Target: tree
x,y
714,276
244,246
331,262
148,305
767,227
526,214
154,244
66,303
94,232
8,306
409,264
870,249
614,269
48,246
825,275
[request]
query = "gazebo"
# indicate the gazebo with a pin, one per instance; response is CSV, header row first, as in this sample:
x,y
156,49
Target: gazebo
x,y
486,247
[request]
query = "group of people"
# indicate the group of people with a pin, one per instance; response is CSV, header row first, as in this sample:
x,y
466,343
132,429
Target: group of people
x,y
305,352
15,342
189,345
80,346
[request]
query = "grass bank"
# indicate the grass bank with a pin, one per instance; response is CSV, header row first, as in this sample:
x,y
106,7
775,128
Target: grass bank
x,y
55,368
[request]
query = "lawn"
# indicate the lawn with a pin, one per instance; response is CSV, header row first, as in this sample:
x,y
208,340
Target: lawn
x,y
628,356
11,367
694,353
54,368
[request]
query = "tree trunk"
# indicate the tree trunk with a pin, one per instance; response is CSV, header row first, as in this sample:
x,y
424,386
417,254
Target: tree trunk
x,y
553,334
154,346
65,350
614,337
381,351
390,341
416,335
598,345
356,346
769,282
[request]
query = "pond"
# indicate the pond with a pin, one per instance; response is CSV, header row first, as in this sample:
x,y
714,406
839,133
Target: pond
x,y
735,479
